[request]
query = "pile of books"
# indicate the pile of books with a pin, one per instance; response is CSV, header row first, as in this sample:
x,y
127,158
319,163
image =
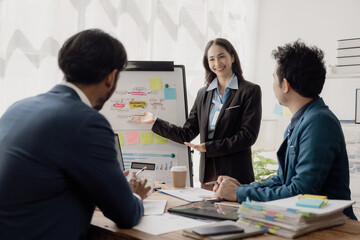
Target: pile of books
x,y
348,56
286,218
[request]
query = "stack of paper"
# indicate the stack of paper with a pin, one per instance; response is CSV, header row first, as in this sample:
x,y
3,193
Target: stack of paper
x,y
283,217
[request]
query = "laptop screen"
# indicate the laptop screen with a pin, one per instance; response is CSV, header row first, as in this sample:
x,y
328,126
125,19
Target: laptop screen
x,y
118,150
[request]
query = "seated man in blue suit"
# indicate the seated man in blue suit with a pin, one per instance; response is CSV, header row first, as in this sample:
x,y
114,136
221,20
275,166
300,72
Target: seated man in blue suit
x,y
57,152
312,158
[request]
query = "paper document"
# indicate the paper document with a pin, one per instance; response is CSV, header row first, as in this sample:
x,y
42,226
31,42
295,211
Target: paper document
x,y
159,224
154,207
191,194
331,206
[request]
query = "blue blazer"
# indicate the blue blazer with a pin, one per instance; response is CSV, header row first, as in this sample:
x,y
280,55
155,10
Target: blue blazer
x,y
312,161
57,162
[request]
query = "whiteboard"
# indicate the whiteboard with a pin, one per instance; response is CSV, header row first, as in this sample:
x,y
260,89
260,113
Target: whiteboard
x,y
160,88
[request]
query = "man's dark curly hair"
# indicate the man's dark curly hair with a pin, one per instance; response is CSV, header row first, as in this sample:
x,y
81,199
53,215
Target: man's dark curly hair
x,y
89,56
302,66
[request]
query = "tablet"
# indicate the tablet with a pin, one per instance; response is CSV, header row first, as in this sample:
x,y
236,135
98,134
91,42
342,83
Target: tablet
x,y
207,210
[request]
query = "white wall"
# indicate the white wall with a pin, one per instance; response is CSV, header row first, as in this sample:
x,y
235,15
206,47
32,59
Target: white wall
x,y
317,22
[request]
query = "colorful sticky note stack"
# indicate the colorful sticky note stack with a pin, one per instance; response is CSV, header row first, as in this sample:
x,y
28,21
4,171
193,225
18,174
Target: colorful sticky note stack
x,y
312,201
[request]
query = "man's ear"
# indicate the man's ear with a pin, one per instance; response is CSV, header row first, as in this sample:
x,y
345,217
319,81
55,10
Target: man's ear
x,y
286,85
110,79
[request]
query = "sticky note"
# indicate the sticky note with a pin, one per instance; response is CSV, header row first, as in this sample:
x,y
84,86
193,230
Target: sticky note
x,y
287,112
278,109
169,93
257,207
137,104
132,138
155,83
308,202
121,139
312,196
269,218
159,139
146,138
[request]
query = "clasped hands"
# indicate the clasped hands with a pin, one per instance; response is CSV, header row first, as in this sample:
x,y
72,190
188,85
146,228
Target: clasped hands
x,y
225,188
137,185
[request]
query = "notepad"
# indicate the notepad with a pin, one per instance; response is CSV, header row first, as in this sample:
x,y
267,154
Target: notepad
x,y
312,203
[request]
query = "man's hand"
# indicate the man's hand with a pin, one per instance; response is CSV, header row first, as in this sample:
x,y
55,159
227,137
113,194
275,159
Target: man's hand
x,y
225,188
144,118
138,186
199,147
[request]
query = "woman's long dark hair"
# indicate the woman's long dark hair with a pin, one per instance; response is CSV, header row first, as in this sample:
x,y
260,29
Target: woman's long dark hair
x,y
236,66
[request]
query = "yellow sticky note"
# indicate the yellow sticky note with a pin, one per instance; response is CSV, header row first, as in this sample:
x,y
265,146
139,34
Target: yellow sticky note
x,y
155,83
159,139
121,139
137,104
146,138
287,112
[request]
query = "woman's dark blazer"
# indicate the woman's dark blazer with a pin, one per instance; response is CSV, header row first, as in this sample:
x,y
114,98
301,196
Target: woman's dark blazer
x,y
236,130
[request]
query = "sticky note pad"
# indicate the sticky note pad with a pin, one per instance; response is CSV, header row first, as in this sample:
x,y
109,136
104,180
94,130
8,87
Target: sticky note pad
x,y
146,138
155,83
121,139
278,109
170,93
159,139
307,202
312,196
287,112
132,137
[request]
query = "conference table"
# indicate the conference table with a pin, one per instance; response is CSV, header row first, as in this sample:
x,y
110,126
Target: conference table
x,y
103,228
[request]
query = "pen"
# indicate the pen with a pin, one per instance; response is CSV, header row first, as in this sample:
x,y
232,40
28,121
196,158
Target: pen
x,y
210,183
140,171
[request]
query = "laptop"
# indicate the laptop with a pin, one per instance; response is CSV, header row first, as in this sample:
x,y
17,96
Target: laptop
x,y
118,150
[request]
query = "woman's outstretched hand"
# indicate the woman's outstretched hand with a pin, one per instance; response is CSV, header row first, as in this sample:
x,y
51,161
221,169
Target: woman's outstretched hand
x,y
198,147
144,118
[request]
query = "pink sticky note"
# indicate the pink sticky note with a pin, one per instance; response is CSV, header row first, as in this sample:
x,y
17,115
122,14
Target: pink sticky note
x,y
132,138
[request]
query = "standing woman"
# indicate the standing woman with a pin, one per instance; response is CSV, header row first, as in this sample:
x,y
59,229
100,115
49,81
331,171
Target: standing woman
x,y
226,113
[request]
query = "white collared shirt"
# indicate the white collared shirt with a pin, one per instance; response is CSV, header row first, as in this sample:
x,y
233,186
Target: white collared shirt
x,y
218,101
81,94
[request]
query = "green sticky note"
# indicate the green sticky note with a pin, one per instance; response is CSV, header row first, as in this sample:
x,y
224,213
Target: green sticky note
x,y
159,139
121,139
311,203
146,138
155,83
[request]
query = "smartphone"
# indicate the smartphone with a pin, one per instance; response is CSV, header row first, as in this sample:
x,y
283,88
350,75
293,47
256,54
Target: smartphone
x,y
217,230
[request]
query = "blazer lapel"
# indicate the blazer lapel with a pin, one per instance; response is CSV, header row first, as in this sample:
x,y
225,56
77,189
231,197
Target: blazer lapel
x,y
206,113
225,105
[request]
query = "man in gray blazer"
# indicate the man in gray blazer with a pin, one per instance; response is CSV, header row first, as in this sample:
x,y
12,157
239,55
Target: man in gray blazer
x,y
57,153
